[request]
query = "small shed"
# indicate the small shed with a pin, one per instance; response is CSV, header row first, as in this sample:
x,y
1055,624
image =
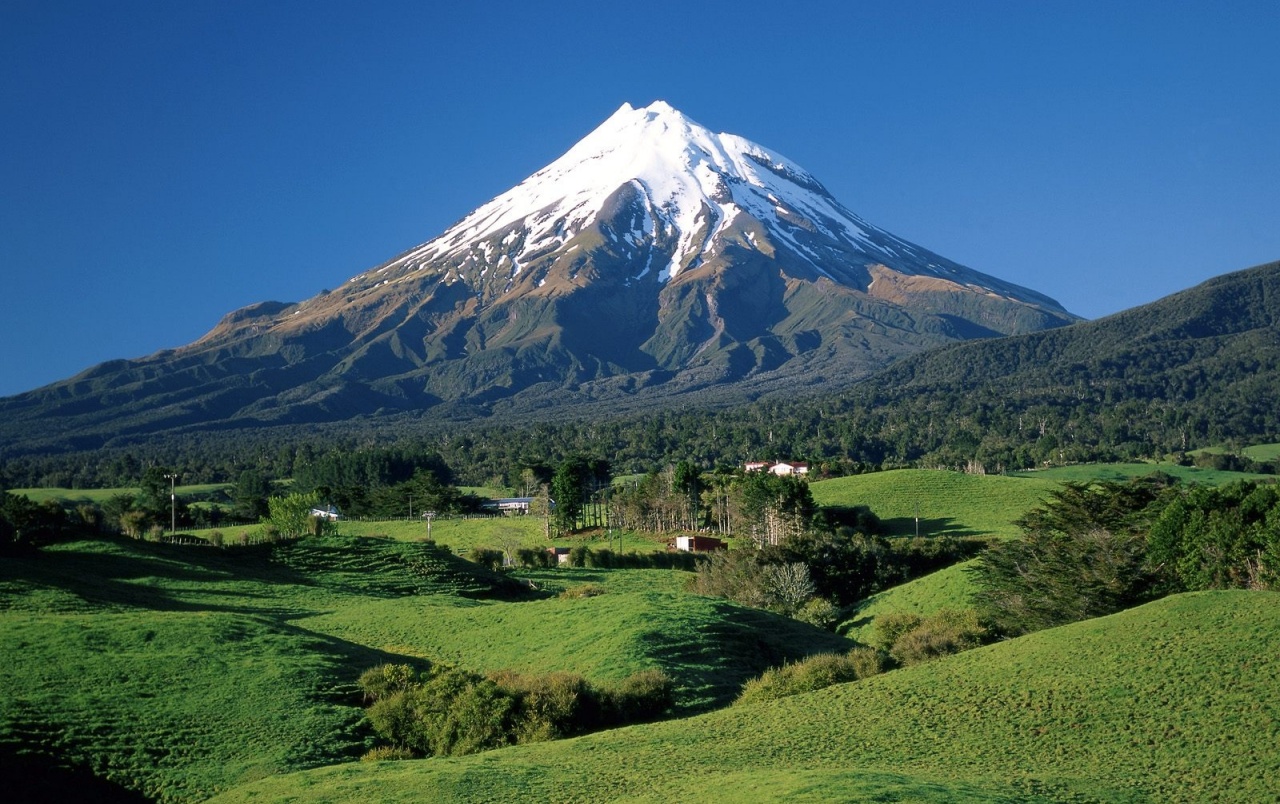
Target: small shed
x,y
699,544
561,554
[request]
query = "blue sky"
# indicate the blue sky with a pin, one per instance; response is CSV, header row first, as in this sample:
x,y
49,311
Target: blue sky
x,y
163,163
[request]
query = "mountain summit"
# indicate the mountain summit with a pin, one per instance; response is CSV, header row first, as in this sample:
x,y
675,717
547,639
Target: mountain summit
x,y
654,257
677,195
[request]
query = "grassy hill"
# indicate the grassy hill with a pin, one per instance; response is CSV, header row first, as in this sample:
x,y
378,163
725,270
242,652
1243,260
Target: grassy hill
x,y
177,672
1084,473
1178,700
947,503
948,588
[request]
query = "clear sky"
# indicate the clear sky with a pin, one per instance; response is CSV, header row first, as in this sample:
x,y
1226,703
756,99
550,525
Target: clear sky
x,y
163,163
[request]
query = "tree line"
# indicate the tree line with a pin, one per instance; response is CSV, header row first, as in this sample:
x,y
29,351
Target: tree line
x,y
1096,549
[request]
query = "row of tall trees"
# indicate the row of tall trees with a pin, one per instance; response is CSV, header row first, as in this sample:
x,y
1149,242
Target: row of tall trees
x,y
763,507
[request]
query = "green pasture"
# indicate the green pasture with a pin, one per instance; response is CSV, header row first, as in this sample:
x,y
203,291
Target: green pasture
x,y
947,503
1084,473
463,534
180,671
708,646
486,492
1173,701
1262,452
1258,452
949,588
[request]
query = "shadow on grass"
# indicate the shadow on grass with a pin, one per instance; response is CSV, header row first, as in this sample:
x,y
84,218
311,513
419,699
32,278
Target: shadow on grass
x,y
43,778
730,645
937,526
124,573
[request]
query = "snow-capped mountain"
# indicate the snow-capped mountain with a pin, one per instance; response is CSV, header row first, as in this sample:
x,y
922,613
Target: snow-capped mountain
x,y
671,195
654,257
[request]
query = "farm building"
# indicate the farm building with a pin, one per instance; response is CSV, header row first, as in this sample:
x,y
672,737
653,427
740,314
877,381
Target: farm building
x,y
510,505
699,544
777,467
329,512
561,554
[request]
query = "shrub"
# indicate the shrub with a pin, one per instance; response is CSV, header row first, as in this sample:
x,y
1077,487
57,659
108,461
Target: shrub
x,y
819,612
451,712
946,632
551,706
396,719
216,538
866,662
385,680
478,717
814,673
384,753
578,556
533,558
734,574
487,557
583,590
638,698
891,626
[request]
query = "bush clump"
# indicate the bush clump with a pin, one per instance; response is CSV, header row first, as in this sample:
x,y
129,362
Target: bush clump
x,y
385,753
448,712
386,680
488,557
583,590
910,639
814,673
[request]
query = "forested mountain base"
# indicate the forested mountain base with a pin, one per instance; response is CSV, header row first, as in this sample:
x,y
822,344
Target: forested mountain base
x,y
1196,369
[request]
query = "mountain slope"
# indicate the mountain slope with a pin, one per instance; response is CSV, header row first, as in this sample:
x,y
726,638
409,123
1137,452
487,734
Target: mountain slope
x,y
1234,317
654,256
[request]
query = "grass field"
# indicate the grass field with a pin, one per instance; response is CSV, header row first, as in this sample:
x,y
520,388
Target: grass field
x,y
1262,452
1257,452
185,672
949,588
463,534
947,503
1178,700
1084,473
178,672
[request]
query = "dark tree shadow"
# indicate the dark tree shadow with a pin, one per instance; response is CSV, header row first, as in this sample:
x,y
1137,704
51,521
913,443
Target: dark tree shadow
x,y
937,526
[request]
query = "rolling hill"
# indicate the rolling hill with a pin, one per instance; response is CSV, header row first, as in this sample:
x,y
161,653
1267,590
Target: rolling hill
x,y
1173,701
174,672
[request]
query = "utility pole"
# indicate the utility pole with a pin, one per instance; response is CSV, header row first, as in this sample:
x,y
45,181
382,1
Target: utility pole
x,y
173,503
